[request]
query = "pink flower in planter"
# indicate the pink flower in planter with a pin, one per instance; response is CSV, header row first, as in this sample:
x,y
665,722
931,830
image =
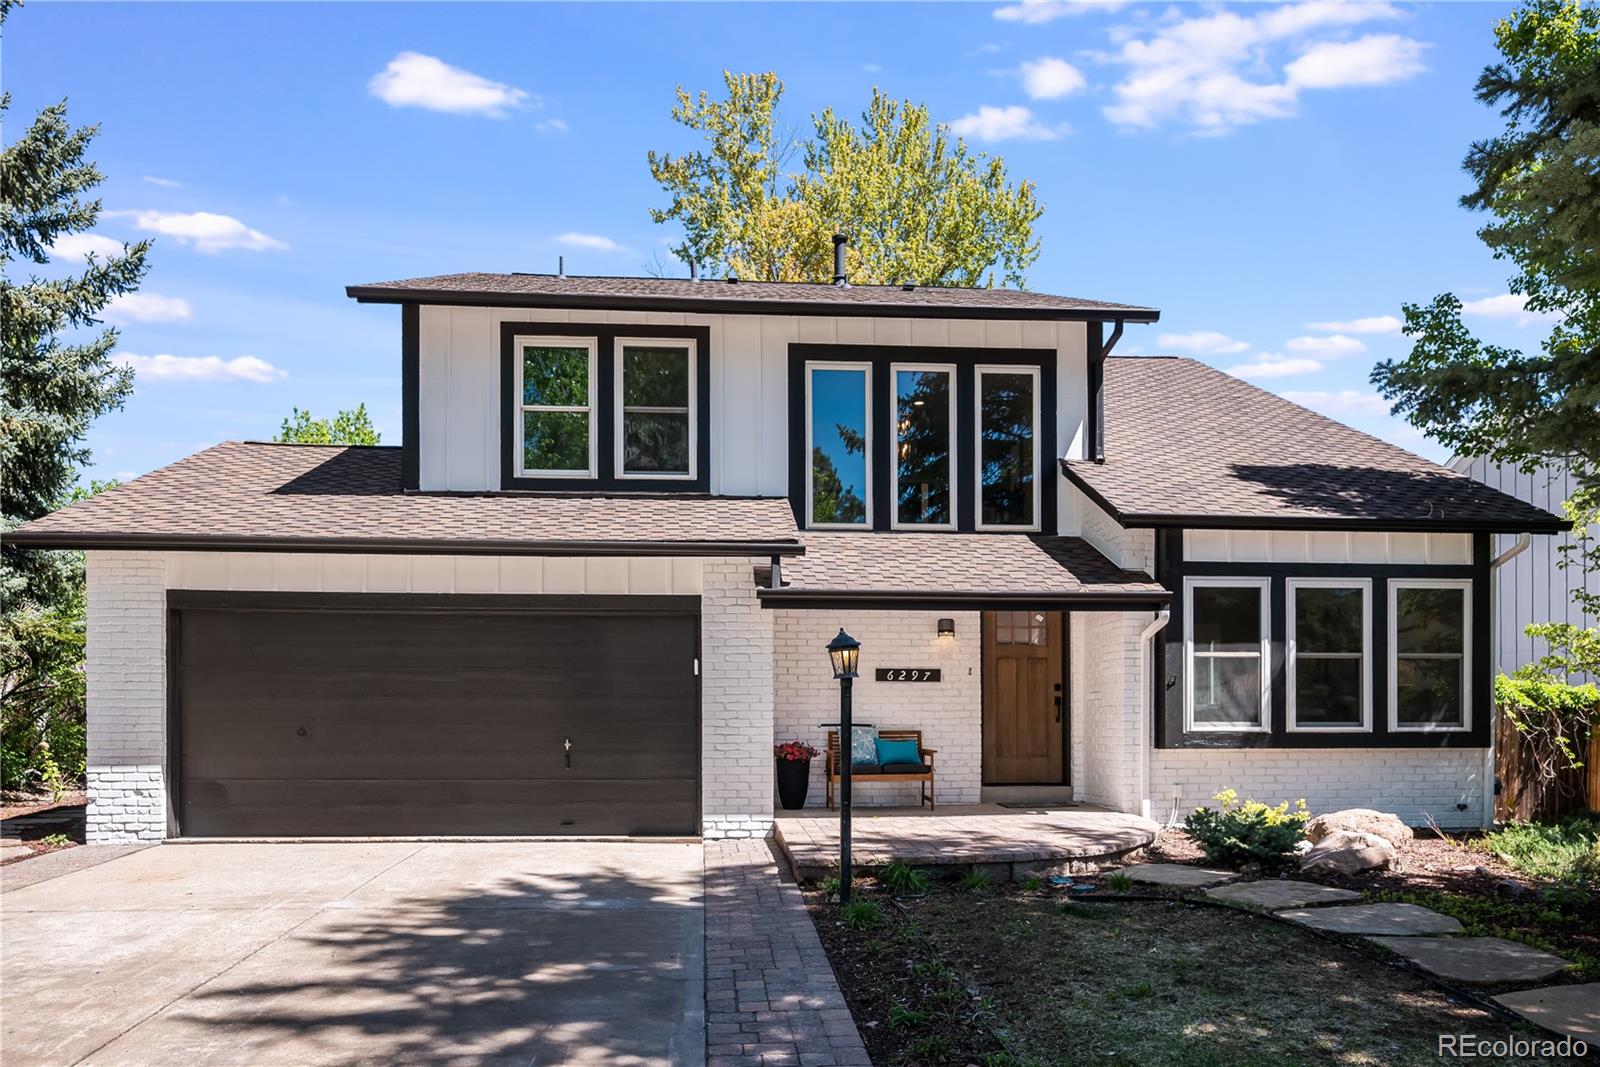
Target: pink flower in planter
x,y
794,750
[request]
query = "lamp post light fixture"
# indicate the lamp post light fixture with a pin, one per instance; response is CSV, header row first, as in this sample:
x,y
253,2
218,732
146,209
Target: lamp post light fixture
x,y
845,652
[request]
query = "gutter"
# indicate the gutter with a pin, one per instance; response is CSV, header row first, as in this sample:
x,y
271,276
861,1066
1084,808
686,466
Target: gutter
x,y
962,600
1147,703
389,545
1490,780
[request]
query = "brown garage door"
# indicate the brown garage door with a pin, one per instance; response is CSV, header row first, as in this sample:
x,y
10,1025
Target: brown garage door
x,y
371,715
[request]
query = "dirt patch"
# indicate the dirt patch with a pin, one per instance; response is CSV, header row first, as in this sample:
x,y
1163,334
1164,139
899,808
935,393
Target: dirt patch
x,y
13,804
1011,977
42,824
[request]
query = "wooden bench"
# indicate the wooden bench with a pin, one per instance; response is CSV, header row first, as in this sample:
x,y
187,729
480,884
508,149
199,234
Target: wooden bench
x,y
925,776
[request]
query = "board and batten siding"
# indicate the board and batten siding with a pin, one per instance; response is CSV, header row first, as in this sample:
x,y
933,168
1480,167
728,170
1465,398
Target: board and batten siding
x,y
459,411
1532,588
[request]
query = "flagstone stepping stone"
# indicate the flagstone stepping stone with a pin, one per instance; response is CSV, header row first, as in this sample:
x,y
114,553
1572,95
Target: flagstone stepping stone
x,y
1572,1010
1178,875
1400,920
1272,894
1476,960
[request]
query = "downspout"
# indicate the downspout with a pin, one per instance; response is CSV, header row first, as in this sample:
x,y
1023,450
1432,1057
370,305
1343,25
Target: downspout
x,y
1521,546
1147,704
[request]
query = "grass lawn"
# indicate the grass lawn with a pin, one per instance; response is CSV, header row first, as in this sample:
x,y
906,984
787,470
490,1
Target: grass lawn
x,y
1010,977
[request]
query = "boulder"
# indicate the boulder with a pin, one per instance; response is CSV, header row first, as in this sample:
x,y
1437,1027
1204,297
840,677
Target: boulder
x,y
1362,821
1350,852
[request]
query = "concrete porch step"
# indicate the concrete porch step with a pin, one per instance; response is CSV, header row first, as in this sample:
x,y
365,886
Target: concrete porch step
x,y
1051,795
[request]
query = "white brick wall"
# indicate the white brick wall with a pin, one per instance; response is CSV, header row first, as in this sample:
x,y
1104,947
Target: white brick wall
x,y
1412,783
1106,707
736,645
127,686
949,712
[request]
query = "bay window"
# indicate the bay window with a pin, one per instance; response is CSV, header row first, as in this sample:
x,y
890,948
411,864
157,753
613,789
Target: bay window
x,y
1226,636
924,447
1430,656
838,442
655,400
1008,447
555,389
1329,651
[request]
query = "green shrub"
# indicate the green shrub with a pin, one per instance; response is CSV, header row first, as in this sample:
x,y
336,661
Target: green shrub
x,y
899,877
56,840
975,881
902,1017
862,915
1555,719
1118,882
1033,883
1565,851
1236,834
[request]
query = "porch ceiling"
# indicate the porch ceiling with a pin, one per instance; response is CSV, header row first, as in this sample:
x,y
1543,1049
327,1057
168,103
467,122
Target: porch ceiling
x,y
957,571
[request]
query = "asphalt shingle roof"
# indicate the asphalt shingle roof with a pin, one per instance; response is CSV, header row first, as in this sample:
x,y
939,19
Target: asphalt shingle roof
x,y
950,566
794,298
302,497
1187,444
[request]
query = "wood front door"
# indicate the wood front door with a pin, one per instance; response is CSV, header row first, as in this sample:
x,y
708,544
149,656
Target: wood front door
x,y
1023,703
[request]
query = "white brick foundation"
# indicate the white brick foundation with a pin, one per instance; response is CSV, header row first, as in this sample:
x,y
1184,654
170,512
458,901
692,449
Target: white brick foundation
x,y
735,703
949,712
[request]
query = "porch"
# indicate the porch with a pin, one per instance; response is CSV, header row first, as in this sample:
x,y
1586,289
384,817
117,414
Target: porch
x,y
1007,843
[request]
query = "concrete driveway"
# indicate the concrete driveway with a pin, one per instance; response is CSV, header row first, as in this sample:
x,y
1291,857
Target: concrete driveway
x,y
376,952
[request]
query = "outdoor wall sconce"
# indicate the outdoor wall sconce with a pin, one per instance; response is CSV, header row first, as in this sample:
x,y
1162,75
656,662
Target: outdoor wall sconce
x,y
947,628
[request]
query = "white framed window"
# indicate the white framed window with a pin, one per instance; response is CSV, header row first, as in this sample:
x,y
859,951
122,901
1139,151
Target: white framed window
x,y
923,465
656,403
1006,487
1329,659
555,395
838,446
1227,639
1430,654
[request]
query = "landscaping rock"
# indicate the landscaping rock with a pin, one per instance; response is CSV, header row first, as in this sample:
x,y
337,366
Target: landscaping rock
x,y
1178,875
1476,960
1350,852
1398,920
1360,821
1275,893
1572,1010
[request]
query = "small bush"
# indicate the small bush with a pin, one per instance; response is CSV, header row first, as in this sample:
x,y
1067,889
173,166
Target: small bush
x,y
975,881
902,1017
1236,834
899,877
829,885
1118,882
1566,851
862,915
1033,883
55,840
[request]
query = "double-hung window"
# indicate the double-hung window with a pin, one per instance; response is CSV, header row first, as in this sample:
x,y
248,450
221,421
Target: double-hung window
x,y
1007,488
655,402
924,447
838,444
555,383
1226,638
1430,654
1329,654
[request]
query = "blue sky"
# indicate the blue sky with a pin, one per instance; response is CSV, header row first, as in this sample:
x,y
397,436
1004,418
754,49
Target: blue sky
x,y
1277,179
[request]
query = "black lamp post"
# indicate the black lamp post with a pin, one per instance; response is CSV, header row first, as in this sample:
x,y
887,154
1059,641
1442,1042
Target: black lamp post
x,y
845,652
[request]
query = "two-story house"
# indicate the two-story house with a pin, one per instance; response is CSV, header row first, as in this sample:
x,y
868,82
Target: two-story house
x,y
593,584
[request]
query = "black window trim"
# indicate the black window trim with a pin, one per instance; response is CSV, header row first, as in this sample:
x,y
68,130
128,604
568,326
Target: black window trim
x,y
607,417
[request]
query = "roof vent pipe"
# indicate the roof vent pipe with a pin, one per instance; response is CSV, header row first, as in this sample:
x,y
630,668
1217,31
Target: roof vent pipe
x,y
694,271
839,276
561,266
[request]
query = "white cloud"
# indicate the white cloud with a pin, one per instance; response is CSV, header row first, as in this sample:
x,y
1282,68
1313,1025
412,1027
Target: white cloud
x,y
1507,306
1370,324
1345,403
552,126
1222,69
200,368
1039,12
148,307
1204,341
1333,345
593,241
205,230
1272,365
1049,78
79,245
871,68
414,80
1005,124
165,183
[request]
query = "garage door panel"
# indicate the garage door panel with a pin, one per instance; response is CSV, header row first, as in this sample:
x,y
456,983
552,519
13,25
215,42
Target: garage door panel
x,y
295,720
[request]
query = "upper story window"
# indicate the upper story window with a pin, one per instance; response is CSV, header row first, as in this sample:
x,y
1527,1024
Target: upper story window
x,y
656,404
1008,447
1430,667
838,442
555,388
924,447
1227,641
1329,654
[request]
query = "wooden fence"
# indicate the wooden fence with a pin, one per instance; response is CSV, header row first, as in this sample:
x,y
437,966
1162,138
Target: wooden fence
x,y
1526,795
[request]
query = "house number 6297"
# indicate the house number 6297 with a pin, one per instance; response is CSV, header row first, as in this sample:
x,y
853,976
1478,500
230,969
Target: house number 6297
x,y
908,674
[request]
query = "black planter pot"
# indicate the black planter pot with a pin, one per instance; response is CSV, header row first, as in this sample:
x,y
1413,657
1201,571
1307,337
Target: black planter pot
x,y
794,779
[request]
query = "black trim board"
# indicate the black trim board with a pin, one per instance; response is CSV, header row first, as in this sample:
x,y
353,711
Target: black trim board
x,y
605,414
893,600
964,467
1169,681
436,546
410,398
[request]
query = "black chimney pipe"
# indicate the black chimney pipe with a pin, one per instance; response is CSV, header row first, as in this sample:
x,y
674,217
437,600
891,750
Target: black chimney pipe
x,y
839,276
694,271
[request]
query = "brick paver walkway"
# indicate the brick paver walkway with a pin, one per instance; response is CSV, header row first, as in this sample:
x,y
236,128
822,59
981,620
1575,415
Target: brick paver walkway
x,y
771,997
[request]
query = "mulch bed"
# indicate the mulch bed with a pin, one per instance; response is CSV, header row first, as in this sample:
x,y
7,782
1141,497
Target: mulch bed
x,y
33,817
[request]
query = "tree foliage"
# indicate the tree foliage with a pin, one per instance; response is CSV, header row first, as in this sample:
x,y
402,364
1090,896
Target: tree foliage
x,y
348,427
919,206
